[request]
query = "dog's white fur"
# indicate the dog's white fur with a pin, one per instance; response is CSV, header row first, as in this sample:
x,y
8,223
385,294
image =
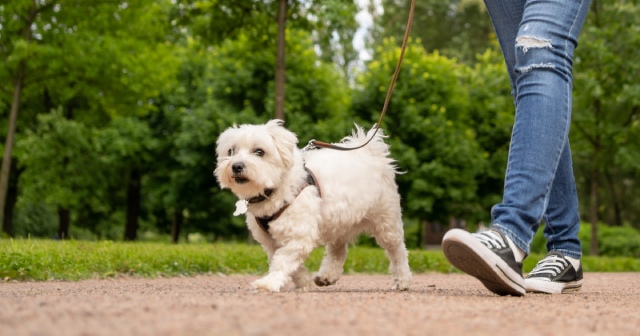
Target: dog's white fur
x,y
359,194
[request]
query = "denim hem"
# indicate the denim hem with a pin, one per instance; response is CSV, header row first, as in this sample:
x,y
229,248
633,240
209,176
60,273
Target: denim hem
x,y
571,254
521,244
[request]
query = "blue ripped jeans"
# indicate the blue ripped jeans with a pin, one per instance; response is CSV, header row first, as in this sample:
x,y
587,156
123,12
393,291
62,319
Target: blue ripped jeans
x,y
538,39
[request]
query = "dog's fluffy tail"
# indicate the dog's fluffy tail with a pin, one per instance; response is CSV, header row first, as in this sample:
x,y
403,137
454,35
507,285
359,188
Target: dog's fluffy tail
x,y
376,147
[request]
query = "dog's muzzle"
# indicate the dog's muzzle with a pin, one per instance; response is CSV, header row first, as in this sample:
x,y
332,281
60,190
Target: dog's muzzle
x,y
238,168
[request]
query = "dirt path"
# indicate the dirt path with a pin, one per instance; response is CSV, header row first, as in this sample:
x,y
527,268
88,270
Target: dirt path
x,y
437,304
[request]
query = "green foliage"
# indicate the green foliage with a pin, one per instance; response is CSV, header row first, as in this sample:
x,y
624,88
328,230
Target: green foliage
x,y
92,70
35,220
458,29
126,142
332,23
69,164
316,93
110,56
60,160
614,241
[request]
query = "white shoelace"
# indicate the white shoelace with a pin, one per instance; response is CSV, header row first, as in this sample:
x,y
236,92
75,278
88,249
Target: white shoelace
x,y
552,264
491,239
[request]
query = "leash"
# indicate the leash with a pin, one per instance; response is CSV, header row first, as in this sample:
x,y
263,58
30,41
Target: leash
x,y
315,144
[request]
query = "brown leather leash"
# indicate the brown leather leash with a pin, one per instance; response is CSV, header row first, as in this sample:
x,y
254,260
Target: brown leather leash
x,y
315,144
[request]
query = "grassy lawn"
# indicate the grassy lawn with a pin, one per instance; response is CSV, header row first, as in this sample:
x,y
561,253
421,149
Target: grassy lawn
x,y
33,259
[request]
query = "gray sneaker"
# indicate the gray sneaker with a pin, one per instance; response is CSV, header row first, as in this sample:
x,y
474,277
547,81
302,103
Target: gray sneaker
x,y
486,256
554,275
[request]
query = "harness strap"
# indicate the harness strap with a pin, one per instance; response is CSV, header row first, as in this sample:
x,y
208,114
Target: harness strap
x,y
312,180
263,222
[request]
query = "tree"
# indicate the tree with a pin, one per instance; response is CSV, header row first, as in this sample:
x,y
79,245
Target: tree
x,y
280,60
14,42
127,145
98,62
50,177
330,23
458,29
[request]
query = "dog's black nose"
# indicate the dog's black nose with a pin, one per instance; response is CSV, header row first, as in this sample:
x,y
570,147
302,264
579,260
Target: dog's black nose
x,y
237,167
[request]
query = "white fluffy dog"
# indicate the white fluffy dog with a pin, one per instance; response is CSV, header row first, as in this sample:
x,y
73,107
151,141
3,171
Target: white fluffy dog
x,y
297,200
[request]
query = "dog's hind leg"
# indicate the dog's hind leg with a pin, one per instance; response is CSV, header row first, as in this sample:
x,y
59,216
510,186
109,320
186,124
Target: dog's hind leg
x,y
332,264
390,236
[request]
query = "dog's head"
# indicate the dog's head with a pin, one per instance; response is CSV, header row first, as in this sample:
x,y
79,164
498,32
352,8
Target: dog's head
x,y
253,158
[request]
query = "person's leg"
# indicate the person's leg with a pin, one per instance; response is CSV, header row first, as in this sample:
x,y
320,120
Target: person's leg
x,y
562,220
562,211
539,178
560,271
539,65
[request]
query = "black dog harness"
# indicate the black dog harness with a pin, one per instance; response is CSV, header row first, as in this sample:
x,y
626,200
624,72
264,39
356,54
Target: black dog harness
x,y
263,222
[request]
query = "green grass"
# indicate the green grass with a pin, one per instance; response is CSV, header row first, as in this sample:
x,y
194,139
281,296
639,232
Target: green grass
x,y
33,259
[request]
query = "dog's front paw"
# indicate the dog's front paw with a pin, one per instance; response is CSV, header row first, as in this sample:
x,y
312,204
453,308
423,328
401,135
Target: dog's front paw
x,y
267,284
323,280
401,284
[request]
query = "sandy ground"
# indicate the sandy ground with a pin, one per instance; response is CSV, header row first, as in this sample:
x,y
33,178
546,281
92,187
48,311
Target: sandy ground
x,y
437,304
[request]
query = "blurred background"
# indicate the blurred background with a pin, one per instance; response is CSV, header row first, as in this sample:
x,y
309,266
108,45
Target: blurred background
x,y
110,110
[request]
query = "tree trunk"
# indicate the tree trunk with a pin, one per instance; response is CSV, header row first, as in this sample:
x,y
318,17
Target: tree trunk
x,y
617,202
12,198
8,144
10,204
421,230
133,205
280,60
593,216
18,84
178,219
64,220
593,211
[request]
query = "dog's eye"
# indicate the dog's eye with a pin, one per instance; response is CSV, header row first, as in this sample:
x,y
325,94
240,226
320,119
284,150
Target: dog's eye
x,y
231,151
259,152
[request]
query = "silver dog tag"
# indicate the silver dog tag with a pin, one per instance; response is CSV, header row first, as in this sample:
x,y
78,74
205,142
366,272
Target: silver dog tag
x,y
241,207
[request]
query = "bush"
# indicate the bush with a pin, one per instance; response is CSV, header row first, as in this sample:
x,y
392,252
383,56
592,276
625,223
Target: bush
x,y
35,220
614,241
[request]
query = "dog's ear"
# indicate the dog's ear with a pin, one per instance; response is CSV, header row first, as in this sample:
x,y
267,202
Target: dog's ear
x,y
285,141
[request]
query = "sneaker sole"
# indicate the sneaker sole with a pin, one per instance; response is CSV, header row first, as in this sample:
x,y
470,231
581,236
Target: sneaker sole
x,y
470,256
551,287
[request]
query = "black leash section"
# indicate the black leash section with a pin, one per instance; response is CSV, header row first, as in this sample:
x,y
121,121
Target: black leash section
x,y
315,144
